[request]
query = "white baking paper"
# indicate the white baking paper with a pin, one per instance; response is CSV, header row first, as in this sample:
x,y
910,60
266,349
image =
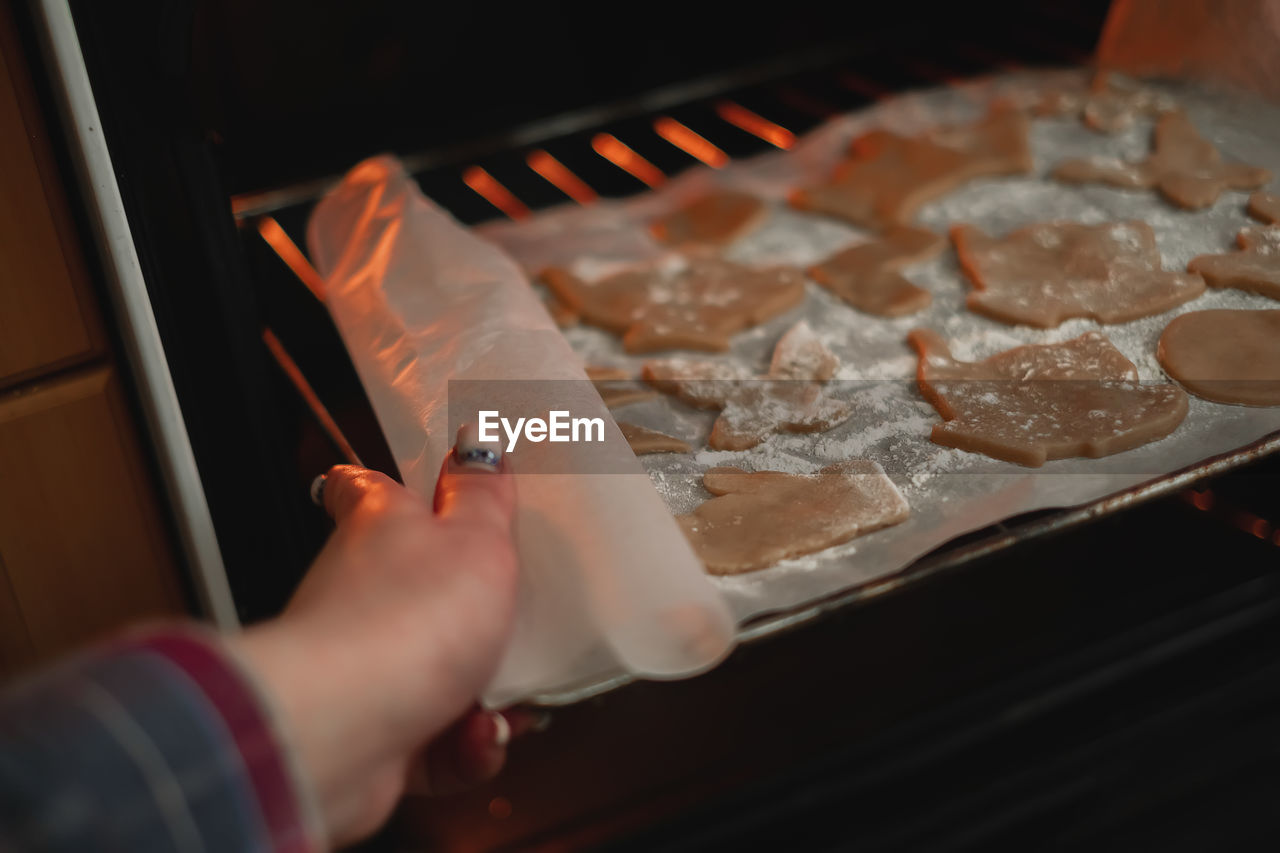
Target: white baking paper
x,y
608,583
951,492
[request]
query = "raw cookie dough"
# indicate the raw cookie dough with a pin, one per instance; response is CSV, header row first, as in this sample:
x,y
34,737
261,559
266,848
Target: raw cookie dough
x,y
1255,267
1048,401
1184,167
757,519
888,177
560,313
644,440
691,304
617,387
1225,356
1265,207
1110,103
716,219
1044,274
790,398
869,276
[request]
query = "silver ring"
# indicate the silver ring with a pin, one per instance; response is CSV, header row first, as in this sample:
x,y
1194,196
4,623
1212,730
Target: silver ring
x,y
317,490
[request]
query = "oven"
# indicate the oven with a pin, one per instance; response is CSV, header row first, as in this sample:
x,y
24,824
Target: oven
x,y
1100,677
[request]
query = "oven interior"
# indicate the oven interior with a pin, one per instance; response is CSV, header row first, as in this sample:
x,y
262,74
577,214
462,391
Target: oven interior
x,y
1014,698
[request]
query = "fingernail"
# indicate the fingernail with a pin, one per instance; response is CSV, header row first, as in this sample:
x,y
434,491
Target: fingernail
x,y
317,490
501,729
470,452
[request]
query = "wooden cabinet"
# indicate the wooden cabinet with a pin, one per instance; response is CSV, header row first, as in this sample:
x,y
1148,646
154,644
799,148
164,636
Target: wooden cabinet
x,y
83,545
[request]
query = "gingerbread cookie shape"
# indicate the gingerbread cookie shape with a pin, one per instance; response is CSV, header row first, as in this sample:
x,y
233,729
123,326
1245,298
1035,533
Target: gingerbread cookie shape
x,y
644,441
694,303
1225,356
1255,267
1183,167
1047,401
1046,273
1111,102
888,177
617,387
1265,207
869,276
715,219
790,398
759,518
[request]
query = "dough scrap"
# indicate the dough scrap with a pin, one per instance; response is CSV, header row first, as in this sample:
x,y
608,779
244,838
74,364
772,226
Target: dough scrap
x,y
1225,356
757,519
1111,102
888,177
697,304
1265,207
617,387
1046,273
644,440
715,219
1182,166
1255,267
1048,401
789,398
869,276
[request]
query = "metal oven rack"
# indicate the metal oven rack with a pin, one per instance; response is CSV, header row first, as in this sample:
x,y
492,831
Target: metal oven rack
x,y
631,146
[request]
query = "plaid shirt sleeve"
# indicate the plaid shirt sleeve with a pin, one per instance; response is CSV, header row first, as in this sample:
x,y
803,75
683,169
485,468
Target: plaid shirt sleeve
x,y
157,742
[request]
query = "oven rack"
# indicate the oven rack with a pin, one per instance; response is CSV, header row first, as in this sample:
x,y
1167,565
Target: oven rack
x,y
632,146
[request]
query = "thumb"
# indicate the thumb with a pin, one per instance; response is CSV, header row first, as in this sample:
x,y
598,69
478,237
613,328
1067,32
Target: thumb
x,y
475,488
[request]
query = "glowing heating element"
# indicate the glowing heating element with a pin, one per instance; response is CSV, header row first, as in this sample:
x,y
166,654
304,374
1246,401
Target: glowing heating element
x,y
690,142
289,252
559,176
743,118
620,154
488,188
295,375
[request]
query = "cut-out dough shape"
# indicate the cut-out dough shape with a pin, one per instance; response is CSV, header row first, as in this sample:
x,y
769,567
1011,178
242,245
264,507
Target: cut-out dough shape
x,y
695,305
1183,167
1255,267
790,398
716,219
644,440
1265,207
560,313
888,177
1110,103
1048,401
617,387
869,276
1225,356
759,518
1044,274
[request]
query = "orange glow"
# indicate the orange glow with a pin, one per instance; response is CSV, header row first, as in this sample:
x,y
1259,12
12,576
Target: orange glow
x,y
294,374
861,85
690,142
291,255
741,117
500,807
1257,526
1202,500
496,194
620,154
560,177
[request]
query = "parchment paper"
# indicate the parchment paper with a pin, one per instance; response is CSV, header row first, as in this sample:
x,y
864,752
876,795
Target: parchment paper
x,y
951,492
607,583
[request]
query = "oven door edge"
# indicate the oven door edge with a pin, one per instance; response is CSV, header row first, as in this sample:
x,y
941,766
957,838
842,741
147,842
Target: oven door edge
x,y
137,325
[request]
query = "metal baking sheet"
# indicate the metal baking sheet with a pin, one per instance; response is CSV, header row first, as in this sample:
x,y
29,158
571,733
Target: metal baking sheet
x,y
951,492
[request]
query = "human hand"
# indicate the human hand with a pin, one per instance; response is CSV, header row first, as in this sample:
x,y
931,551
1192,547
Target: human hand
x,y
377,661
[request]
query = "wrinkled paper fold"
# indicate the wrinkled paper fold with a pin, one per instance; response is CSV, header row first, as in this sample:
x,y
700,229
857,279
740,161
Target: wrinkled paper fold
x,y
608,581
